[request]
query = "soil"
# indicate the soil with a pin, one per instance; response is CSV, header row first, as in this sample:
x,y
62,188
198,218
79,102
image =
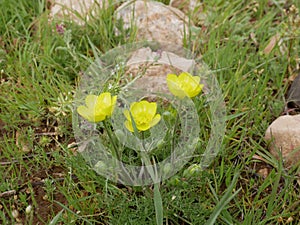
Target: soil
x,y
33,187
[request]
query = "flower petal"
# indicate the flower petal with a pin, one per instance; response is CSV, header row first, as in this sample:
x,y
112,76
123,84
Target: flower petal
x,y
190,84
104,103
196,91
98,117
151,109
127,115
104,98
143,126
143,114
174,86
155,120
91,101
85,113
129,126
172,77
136,108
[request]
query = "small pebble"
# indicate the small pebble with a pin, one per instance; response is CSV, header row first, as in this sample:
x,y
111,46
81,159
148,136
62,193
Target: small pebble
x,y
15,213
28,209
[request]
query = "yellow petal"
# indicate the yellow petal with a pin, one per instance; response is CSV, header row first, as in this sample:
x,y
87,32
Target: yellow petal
x,y
190,84
151,108
172,77
129,126
175,86
127,115
155,120
143,126
136,108
91,101
98,118
85,113
143,114
103,103
196,91
104,99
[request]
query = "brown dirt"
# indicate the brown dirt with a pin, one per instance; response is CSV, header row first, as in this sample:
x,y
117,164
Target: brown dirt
x,y
33,188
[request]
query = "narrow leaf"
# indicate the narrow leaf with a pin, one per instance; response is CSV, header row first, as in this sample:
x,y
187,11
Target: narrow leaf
x,y
158,205
224,201
56,218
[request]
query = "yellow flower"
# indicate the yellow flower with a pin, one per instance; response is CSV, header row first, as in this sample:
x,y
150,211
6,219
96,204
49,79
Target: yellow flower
x,y
97,107
184,85
144,115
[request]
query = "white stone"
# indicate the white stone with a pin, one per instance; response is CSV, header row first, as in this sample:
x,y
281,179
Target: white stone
x,y
69,8
154,21
185,5
284,134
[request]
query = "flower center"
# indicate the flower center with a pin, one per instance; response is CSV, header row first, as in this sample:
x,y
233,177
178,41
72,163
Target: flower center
x,y
143,119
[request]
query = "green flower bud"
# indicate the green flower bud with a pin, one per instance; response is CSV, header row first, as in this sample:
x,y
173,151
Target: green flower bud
x,y
192,170
160,144
175,181
100,167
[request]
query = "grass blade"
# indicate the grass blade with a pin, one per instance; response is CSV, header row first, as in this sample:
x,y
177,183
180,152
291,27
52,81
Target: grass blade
x,y
158,205
224,201
56,218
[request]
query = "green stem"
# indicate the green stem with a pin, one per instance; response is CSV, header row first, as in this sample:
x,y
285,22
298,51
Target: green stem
x,y
173,134
159,212
115,151
110,135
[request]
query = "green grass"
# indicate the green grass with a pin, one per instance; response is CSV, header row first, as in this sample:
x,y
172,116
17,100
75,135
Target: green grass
x,y
40,69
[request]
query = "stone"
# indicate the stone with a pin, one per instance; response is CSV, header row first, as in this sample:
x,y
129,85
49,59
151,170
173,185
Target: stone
x,y
153,67
284,137
69,8
185,5
154,21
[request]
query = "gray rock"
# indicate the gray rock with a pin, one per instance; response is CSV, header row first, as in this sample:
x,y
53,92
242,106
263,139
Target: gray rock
x,y
185,5
154,21
69,8
284,134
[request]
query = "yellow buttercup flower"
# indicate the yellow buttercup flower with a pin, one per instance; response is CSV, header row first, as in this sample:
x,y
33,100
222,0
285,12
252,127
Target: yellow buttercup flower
x,y
184,85
97,108
144,115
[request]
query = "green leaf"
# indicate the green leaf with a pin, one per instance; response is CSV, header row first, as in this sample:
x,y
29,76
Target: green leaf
x,y
224,201
56,218
158,205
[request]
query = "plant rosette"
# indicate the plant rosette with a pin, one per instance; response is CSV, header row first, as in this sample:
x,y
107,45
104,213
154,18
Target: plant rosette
x,y
130,137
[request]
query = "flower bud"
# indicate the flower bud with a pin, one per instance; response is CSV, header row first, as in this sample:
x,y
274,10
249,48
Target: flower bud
x,y
192,170
160,143
100,167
